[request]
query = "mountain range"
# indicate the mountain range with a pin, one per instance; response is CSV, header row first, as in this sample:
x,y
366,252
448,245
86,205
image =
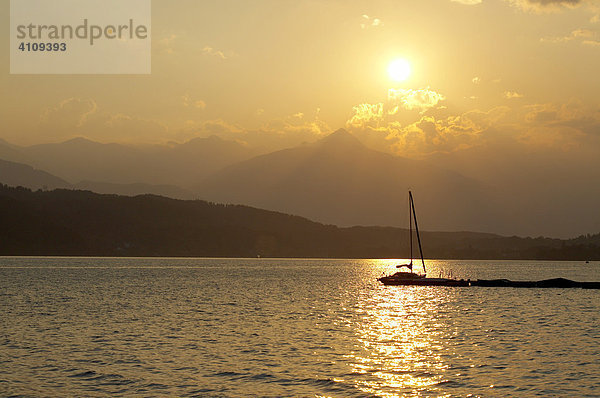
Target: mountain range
x,y
335,180
80,159
18,174
338,180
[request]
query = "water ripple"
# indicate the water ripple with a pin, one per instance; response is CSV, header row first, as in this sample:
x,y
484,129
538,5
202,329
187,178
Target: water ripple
x,y
288,328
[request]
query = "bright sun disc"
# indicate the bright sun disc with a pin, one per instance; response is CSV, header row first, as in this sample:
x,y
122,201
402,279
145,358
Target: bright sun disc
x,y
399,70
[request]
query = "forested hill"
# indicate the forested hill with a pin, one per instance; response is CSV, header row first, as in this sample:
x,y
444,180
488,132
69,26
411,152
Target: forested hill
x,y
66,222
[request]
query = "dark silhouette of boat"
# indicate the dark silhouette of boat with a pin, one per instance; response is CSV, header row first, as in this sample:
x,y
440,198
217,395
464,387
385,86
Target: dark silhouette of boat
x,y
402,278
411,278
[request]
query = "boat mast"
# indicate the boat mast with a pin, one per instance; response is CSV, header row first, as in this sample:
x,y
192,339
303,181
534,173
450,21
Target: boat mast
x,y
414,214
410,234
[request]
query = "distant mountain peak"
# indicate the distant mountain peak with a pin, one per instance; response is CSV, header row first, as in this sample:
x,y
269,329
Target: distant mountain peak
x,y
341,138
79,141
214,137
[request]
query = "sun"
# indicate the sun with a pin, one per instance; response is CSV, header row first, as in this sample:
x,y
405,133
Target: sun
x,y
399,70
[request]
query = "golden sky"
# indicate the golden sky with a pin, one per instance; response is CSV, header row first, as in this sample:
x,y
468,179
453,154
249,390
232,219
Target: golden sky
x,y
276,73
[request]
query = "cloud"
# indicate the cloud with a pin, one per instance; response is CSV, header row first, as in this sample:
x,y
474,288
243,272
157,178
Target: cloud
x,y
583,35
421,100
188,102
566,126
211,127
453,133
468,2
429,135
546,5
512,95
166,44
561,127
368,22
426,135
569,3
168,39
180,43
275,134
75,117
383,113
70,113
476,80
297,124
210,51
365,114
572,114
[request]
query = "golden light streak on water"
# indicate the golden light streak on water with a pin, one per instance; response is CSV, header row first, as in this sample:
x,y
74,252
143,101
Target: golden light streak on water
x,y
395,334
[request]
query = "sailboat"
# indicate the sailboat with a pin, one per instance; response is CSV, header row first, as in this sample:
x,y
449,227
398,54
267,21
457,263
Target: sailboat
x,y
403,278
412,278
412,214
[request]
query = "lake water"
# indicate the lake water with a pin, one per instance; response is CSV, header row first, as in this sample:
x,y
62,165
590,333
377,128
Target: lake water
x,y
292,328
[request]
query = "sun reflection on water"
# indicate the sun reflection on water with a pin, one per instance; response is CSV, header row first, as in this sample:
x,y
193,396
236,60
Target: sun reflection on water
x,y
399,338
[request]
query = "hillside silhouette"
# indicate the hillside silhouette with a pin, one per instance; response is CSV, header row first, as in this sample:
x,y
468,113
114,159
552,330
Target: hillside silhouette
x,y
67,222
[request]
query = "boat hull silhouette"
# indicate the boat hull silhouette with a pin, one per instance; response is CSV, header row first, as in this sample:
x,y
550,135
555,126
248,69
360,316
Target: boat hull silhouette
x,y
392,281
555,283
